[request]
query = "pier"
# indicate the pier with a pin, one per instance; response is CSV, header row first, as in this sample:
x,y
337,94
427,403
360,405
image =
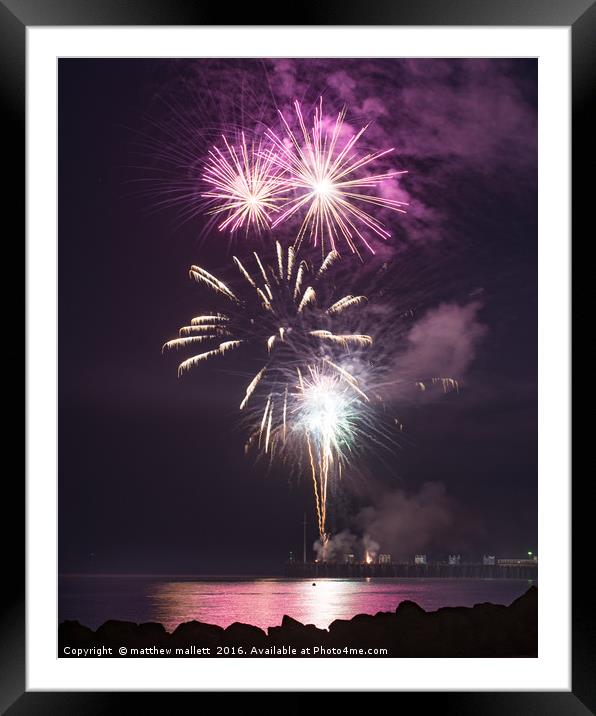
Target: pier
x,y
523,570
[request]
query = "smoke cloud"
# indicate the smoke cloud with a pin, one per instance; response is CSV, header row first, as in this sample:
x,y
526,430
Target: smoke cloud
x,y
402,524
338,547
444,341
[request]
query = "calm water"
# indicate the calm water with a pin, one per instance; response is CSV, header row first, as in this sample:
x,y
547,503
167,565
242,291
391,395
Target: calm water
x,y
263,601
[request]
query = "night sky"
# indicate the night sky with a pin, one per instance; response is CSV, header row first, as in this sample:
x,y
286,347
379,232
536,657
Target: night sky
x,y
152,472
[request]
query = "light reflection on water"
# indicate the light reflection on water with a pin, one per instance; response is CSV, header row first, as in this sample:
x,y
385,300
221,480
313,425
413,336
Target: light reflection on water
x,y
263,602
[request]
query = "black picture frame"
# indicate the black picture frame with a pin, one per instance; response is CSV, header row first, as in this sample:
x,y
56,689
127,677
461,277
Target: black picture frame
x,y
15,17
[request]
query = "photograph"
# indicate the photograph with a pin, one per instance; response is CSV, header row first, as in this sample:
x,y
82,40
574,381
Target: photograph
x,y
297,354
297,357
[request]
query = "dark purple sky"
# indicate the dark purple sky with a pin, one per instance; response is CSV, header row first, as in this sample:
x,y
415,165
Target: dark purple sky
x,y
152,472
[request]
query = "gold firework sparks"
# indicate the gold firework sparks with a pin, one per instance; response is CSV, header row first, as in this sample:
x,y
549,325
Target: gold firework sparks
x,y
290,318
279,290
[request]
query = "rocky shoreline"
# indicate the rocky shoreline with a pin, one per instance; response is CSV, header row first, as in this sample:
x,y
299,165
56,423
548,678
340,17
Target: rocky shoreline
x,y
484,630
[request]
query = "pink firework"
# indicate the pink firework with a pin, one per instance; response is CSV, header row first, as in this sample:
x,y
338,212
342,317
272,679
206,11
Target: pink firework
x,y
245,186
327,182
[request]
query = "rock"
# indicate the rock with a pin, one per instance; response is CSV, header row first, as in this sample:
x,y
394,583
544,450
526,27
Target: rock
x,y
74,634
294,633
196,633
244,635
151,633
289,623
115,633
409,608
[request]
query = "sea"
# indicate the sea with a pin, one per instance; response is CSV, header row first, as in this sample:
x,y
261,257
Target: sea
x,y
262,601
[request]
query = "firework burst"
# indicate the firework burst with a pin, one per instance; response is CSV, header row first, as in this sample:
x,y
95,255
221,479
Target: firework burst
x,y
329,183
317,418
244,186
327,410
280,307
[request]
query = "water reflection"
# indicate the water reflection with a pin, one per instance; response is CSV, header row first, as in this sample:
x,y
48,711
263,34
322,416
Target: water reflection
x,y
263,602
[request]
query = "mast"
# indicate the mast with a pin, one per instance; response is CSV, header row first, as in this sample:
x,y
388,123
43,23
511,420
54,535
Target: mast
x,y
304,545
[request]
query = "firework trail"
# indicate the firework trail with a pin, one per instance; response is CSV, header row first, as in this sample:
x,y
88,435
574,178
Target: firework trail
x,y
328,183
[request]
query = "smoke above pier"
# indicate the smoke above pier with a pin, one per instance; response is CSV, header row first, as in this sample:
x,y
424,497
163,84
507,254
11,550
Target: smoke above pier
x,y
402,523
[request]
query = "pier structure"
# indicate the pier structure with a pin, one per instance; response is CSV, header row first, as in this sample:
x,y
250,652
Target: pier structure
x,y
509,569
